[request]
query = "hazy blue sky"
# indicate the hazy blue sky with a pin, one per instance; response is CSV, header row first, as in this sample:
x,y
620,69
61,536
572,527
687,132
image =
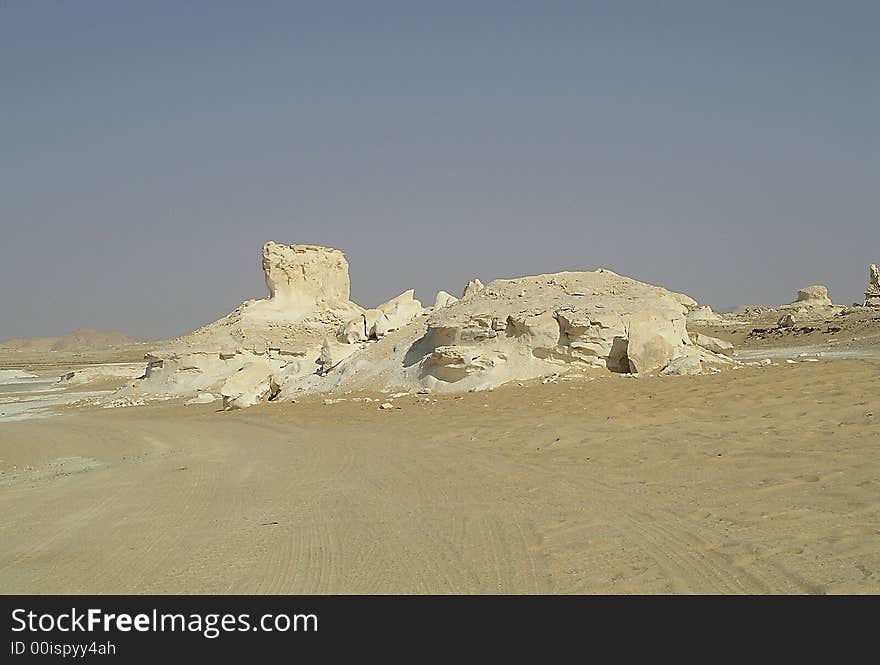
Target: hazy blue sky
x,y
729,150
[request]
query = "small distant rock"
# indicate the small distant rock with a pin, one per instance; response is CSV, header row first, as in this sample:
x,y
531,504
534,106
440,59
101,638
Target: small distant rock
x,y
444,299
472,287
703,314
202,398
683,366
712,344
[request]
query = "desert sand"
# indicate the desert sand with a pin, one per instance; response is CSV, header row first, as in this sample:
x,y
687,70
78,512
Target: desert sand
x,y
567,433
761,480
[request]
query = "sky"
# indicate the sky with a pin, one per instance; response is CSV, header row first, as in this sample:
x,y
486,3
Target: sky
x,y
728,150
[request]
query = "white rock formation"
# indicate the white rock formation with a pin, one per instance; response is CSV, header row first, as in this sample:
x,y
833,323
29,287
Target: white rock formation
x,y
685,365
444,299
250,385
472,287
307,337
378,322
396,313
281,335
872,293
306,278
712,344
703,314
333,353
523,328
810,297
786,321
202,398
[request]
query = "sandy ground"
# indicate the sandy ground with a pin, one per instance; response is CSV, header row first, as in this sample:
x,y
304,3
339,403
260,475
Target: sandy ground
x,y
758,480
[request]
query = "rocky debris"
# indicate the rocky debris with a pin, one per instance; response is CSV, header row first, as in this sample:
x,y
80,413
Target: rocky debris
x,y
811,296
686,365
202,398
444,299
786,321
712,344
386,406
794,331
872,293
250,385
703,314
373,324
472,287
123,402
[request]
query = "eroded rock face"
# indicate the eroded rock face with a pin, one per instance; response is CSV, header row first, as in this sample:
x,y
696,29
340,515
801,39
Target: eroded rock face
x,y
713,344
872,293
816,294
396,313
373,324
786,321
443,299
595,318
685,365
306,277
472,287
653,340
276,336
811,296
333,353
250,385
308,338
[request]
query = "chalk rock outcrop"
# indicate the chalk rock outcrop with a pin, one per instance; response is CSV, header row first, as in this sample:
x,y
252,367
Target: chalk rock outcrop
x,y
811,296
703,314
872,293
472,287
444,299
202,398
712,344
520,328
305,278
276,336
686,365
333,353
250,385
397,312
786,321
376,323
307,337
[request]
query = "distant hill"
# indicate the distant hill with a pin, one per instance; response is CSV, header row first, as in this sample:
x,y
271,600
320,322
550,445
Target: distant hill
x,y
84,339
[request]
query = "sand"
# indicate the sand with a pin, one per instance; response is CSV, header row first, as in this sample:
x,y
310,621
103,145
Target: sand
x,y
758,480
